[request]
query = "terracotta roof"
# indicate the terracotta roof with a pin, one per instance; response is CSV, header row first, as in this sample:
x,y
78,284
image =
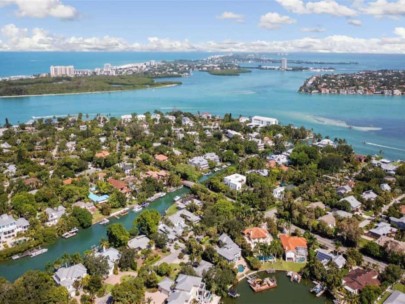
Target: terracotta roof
x,y
256,233
117,184
156,174
402,209
69,181
102,154
161,157
32,181
292,242
359,278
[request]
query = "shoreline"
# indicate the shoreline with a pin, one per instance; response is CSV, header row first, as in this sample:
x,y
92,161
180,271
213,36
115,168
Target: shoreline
x,y
95,92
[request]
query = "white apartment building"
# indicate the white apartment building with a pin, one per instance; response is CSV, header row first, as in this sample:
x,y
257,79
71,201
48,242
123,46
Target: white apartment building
x,y
235,181
262,121
284,64
68,70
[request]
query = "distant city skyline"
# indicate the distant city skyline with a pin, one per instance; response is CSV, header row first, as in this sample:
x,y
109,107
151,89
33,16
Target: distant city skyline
x,y
352,26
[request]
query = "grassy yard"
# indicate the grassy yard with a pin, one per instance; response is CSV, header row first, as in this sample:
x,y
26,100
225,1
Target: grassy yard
x,y
283,265
369,213
171,210
400,287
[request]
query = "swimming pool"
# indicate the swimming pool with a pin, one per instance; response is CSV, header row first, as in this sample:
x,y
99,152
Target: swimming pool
x,y
241,268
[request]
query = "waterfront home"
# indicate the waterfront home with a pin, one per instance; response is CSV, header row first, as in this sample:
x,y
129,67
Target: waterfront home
x,y
83,205
261,121
184,215
326,257
353,203
295,248
9,227
228,249
235,181
213,157
359,278
232,133
325,143
202,267
112,255
256,235
199,162
188,289
328,219
98,199
398,222
54,214
343,190
126,118
166,285
158,175
66,276
369,195
397,297
140,242
119,185
382,229
278,193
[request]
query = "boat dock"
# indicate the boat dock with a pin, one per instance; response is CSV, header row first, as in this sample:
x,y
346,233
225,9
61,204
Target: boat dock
x,y
70,233
259,285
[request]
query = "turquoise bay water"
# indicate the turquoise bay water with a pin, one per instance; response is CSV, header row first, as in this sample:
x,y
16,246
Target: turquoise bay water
x,y
377,120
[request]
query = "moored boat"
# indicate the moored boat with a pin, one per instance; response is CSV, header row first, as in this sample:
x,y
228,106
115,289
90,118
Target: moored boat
x,y
38,251
104,221
70,233
137,208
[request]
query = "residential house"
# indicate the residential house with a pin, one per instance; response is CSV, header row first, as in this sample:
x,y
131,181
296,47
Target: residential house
x,y
213,157
66,276
187,289
9,227
382,229
353,202
228,249
112,255
398,222
161,157
278,193
326,257
235,181
324,143
202,267
262,121
359,278
295,248
343,190
385,187
199,162
166,285
88,206
369,195
159,175
396,297
280,159
185,121
256,235
140,242
342,214
127,168
54,214
232,133
126,118
391,244
119,185
328,219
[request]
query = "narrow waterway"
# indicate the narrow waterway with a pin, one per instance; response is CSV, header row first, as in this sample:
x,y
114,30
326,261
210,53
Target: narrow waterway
x,y
286,292
83,241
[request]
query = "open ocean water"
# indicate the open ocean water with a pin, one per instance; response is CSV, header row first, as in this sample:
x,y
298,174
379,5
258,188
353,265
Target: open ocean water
x,y
378,121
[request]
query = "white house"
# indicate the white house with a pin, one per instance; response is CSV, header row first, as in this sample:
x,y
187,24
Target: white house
x,y
185,121
126,118
278,193
187,289
385,187
54,214
262,121
66,276
256,235
235,181
9,227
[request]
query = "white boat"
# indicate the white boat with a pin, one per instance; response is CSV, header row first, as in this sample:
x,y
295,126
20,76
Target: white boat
x,y
70,233
104,221
38,251
137,208
177,198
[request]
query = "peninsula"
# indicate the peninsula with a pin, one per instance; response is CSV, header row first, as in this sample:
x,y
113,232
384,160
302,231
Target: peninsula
x,y
382,82
71,85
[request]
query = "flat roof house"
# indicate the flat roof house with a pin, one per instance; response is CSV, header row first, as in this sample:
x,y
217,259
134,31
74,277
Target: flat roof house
x,y
235,181
262,121
295,248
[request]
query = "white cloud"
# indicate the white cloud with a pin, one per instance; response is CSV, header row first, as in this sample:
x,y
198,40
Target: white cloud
x,y
42,8
23,39
329,7
382,8
232,16
313,29
354,22
273,21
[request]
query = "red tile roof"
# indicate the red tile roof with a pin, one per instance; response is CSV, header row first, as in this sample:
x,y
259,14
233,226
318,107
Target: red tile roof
x,y
359,278
161,157
292,242
256,233
102,154
120,185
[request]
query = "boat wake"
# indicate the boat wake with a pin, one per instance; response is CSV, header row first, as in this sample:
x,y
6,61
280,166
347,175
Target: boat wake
x,y
342,124
382,146
244,92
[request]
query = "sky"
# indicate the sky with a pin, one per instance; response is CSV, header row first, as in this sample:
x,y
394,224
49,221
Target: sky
x,y
349,26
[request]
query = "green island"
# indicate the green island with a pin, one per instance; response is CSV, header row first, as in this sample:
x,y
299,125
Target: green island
x,y
73,85
152,207
228,72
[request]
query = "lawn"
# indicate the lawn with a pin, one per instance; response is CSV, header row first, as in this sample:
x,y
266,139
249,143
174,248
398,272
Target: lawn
x,y
383,298
171,210
283,265
400,287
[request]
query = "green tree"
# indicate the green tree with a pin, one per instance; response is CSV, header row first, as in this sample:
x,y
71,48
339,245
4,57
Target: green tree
x,y
392,273
131,291
83,216
148,221
117,235
96,265
117,199
163,269
369,294
127,259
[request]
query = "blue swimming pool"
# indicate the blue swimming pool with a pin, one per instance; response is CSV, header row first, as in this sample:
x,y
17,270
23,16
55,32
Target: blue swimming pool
x,y
241,268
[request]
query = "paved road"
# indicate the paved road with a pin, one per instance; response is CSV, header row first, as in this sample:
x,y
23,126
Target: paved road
x,y
394,201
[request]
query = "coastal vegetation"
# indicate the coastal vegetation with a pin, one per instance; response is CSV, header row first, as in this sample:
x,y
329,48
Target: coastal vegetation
x,y
228,71
70,85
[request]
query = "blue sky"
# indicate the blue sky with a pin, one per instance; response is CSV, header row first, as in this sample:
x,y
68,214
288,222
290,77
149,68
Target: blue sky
x,y
189,25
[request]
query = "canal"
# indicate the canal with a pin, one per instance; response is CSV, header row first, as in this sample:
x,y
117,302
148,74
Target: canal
x,y
286,292
83,241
